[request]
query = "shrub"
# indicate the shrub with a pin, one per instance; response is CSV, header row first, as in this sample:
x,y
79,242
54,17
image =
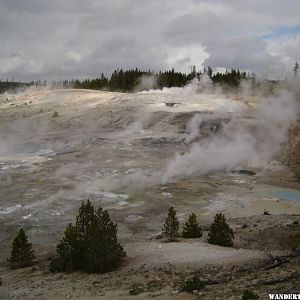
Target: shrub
x,y
22,253
249,295
220,233
171,226
192,229
91,245
194,283
55,114
136,289
293,241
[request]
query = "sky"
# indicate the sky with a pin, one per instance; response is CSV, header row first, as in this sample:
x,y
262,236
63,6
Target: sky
x,y
63,39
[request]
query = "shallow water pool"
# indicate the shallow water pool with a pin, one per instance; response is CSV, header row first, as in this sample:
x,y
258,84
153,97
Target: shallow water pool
x,y
282,193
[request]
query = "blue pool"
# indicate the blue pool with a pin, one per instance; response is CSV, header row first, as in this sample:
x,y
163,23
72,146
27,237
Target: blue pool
x,y
283,193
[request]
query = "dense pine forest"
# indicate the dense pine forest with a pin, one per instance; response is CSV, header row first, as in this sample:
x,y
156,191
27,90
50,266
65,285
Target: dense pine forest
x,y
129,80
12,85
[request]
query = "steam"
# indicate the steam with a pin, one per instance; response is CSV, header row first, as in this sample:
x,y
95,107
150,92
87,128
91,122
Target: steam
x,y
250,144
146,82
248,140
193,128
217,154
142,122
253,136
190,89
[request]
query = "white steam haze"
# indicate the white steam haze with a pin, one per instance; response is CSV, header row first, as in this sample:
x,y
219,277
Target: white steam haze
x,y
248,142
192,88
193,128
239,144
250,134
94,148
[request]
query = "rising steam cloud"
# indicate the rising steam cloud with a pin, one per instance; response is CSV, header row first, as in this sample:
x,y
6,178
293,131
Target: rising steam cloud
x,y
243,142
251,143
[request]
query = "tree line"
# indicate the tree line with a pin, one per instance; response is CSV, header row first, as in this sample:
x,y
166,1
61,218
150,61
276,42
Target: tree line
x,y
11,85
127,81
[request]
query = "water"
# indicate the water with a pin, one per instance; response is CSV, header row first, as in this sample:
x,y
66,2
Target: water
x,y
282,193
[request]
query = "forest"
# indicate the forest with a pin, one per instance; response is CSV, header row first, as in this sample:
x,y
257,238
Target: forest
x,y
127,80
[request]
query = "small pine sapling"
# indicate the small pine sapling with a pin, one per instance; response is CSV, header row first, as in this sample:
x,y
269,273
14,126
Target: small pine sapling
x,y
192,229
220,233
171,226
22,253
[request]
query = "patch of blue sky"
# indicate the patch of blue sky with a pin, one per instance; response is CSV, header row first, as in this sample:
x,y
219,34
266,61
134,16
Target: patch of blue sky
x,y
282,31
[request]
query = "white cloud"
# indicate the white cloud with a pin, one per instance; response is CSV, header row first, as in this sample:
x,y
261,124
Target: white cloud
x,y
12,62
71,39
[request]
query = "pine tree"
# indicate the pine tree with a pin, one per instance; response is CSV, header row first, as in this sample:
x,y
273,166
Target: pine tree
x,y
171,226
69,251
91,245
191,228
296,68
101,251
220,233
22,253
249,295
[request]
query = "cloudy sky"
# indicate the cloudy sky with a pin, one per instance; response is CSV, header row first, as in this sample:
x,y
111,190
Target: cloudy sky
x,y
71,38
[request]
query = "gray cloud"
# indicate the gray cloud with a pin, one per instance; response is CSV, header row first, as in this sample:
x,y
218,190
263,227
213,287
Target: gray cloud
x,y
65,39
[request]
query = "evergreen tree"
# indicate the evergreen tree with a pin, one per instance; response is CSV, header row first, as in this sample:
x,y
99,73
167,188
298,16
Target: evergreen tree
x,y
192,284
126,80
91,245
22,253
249,295
191,228
69,251
209,72
171,226
220,233
296,68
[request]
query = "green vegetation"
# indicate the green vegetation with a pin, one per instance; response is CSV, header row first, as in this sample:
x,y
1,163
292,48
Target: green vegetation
x,y
171,226
296,69
11,85
126,81
220,233
135,289
194,283
249,295
22,253
191,228
292,241
90,245
131,199
231,78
